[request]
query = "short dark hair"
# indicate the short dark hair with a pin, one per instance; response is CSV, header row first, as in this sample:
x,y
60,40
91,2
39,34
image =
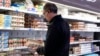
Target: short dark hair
x,y
51,7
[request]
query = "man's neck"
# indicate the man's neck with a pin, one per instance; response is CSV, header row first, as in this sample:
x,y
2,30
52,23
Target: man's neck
x,y
52,16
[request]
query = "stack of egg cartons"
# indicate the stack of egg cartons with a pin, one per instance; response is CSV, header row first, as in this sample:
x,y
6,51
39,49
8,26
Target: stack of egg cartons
x,y
90,26
85,48
5,21
1,3
17,19
7,3
29,21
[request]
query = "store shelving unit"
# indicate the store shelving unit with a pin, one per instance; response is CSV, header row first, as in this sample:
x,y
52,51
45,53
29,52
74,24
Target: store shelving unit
x,y
17,10
24,29
95,31
82,54
81,19
14,48
42,29
91,30
83,42
27,30
89,53
37,13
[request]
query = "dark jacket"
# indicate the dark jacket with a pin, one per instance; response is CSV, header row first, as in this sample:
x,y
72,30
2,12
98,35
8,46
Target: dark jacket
x,y
57,39
58,36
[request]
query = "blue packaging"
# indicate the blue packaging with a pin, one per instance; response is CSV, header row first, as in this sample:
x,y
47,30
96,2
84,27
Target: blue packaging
x,y
0,33
0,46
6,35
92,55
0,37
7,21
5,41
0,41
5,45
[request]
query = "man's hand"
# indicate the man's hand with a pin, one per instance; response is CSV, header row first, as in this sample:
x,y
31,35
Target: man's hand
x,y
40,50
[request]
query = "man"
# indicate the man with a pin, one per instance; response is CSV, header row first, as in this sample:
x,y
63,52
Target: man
x,y
58,34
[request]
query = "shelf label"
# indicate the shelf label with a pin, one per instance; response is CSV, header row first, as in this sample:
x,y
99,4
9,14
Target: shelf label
x,y
17,11
30,29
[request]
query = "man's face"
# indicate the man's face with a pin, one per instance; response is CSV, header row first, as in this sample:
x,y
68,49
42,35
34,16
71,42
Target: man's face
x,y
46,15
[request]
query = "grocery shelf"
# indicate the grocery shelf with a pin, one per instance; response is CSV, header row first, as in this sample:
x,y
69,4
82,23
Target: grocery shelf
x,y
17,10
72,55
13,48
17,16
91,30
37,29
29,12
25,52
82,54
81,19
23,35
37,13
40,29
83,42
88,53
44,29
5,8
78,9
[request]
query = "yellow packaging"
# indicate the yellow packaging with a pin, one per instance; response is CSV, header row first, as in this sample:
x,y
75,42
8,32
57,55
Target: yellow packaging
x,y
1,20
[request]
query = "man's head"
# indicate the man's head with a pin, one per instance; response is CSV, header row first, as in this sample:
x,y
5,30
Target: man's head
x,y
49,11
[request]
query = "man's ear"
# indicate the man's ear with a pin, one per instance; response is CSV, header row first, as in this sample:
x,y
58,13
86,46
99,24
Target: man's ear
x,y
48,11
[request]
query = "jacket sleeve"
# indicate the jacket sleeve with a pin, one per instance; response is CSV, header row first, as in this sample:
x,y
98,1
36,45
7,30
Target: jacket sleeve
x,y
52,41
50,44
40,50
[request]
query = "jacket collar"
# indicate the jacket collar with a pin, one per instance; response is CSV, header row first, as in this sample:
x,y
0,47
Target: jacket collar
x,y
53,19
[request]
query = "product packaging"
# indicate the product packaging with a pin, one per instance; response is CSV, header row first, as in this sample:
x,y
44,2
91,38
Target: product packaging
x,y
92,55
1,4
7,21
7,5
1,1
1,20
86,48
5,45
7,1
29,5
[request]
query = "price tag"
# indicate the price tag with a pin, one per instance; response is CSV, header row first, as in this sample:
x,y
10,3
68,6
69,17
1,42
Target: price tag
x,y
11,49
15,28
17,11
30,29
